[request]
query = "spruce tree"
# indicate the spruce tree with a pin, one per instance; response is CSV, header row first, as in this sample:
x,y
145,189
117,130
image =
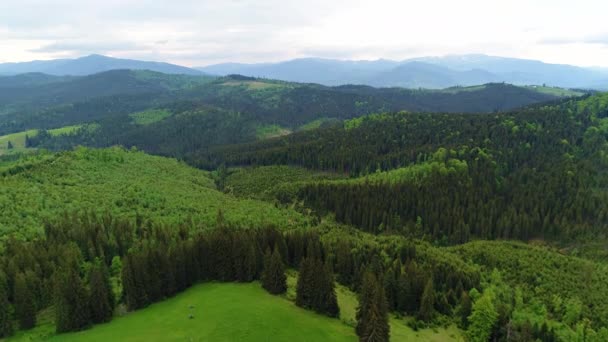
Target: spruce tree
x,y
6,324
465,309
71,299
25,307
273,278
427,302
372,313
303,287
101,297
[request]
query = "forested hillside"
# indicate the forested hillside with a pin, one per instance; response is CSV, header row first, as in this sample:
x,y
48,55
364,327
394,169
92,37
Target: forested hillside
x,y
359,216
38,101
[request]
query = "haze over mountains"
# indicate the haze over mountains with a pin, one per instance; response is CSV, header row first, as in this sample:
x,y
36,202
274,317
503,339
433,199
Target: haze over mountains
x,y
423,72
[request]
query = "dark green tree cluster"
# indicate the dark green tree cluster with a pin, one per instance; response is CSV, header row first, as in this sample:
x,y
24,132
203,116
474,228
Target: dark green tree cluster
x,y
273,276
372,313
315,289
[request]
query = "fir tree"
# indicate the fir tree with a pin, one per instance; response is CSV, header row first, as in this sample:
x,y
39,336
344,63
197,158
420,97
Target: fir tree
x,y
101,298
465,309
427,302
372,313
25,307
273,278
71,299
6,324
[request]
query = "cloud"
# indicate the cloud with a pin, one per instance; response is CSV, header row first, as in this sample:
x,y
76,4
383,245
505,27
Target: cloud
x,y
601,39
87,47
200,32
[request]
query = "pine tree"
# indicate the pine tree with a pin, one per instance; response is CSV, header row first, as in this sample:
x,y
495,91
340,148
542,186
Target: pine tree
x,y
303,287
427,302
465,309
372,313
6,324
71,299
329,301
25,307
134,288
101,299
273,278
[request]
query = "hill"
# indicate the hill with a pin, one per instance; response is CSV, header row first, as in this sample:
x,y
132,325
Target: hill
x,y
124,183
91,64
233,110
222,312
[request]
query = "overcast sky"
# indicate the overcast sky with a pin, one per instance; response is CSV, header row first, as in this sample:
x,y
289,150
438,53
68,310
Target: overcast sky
x,y
202,32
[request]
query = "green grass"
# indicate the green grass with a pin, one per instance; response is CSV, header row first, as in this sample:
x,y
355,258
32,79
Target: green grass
x,y
18,139
555,91
149,116
125,183
347,300
222,312
254,85
270,131
316,124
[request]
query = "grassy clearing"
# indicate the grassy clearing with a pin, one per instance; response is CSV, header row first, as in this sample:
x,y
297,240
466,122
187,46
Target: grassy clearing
x,y
555,91
347,300
253,85
149,116
316,124
270,131
18,139
222,312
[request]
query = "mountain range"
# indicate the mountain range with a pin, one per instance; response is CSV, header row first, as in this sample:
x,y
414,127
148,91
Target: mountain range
x,y
89,65
423,72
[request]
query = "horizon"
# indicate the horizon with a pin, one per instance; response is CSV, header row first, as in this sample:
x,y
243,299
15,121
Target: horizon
x,y
411,59
199,33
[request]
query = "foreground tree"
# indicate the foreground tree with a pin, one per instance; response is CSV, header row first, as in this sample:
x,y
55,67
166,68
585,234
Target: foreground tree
x,y
101,298
483,318
316,288
25,307
273,278
71,299
427,302
372,313
6,326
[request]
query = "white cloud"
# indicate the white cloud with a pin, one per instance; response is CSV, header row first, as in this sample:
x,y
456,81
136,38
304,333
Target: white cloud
x,y
199,32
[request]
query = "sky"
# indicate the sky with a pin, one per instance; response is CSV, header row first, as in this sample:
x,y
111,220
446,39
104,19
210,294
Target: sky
x,y
203,32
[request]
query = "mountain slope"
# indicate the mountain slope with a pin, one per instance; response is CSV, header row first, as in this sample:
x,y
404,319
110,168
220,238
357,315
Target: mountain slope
x,y
124,183
91,64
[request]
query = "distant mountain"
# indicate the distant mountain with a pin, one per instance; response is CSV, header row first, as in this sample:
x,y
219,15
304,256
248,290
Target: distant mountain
x,y
424,72
91,65
308,70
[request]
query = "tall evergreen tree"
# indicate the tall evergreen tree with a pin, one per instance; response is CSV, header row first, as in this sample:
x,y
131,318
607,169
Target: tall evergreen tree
x,y
101,297
427,303
372,313
465,309
6,323
273,278
71,299
25,306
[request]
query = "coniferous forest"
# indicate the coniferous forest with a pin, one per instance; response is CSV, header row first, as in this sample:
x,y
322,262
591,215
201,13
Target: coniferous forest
x,y
379,214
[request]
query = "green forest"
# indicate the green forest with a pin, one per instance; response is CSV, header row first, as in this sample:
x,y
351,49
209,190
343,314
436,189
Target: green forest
x,y
142,206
